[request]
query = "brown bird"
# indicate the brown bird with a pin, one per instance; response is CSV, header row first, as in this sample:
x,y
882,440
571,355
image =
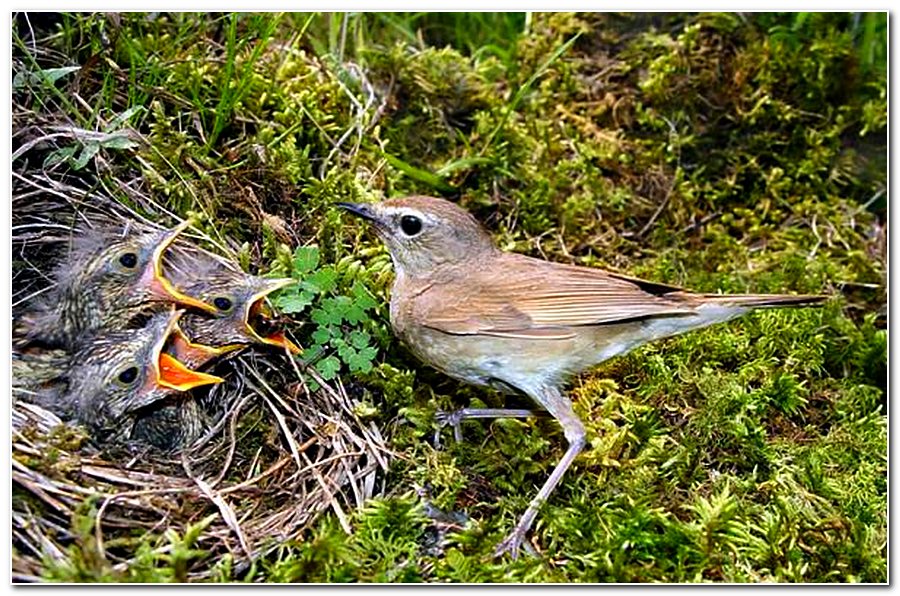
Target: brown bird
x,y
109,277
510,321
114,375
241,316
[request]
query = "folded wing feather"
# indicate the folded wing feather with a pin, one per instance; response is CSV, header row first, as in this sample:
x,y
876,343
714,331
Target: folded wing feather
x,y
519,296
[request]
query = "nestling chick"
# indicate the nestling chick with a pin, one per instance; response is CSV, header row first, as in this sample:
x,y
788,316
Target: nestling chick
x,y
35,369
172,424
242,319
176,421
109,277
240,315
112,376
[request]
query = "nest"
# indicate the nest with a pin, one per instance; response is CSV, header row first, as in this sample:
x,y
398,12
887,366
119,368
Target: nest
x,y
278,455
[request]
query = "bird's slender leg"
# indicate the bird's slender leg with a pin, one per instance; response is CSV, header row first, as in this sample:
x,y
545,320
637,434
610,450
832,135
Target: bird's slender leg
x,y
561,408
456,417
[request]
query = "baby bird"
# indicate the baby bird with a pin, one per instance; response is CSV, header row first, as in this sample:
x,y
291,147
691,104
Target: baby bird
x,y
241,316
242,319
109,278
174,424
34,369
113,375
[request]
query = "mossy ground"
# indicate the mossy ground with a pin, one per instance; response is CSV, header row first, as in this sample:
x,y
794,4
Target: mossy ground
x,y
721,152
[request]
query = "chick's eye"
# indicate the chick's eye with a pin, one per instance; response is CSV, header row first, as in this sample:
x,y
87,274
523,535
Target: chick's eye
x,y
222,303
128,260
411,225
128,375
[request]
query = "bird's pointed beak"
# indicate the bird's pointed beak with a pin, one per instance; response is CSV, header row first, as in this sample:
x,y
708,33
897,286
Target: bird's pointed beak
x,y
195,354
170,372
173,374
280,340
361,210
258,311
160,286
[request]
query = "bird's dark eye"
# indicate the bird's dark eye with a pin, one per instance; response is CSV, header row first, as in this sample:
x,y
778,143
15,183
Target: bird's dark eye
x,y
411,225
128,260
128,376
222,303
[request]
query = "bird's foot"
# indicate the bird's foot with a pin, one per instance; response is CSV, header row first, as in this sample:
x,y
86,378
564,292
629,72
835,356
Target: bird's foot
x,y
513,543
453,419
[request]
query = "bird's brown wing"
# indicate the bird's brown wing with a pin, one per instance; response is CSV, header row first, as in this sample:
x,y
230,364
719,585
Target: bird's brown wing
x,y
518,296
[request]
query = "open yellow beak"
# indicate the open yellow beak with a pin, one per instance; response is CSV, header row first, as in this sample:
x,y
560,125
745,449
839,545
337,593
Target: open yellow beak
x,y
175,375
256,306
161,286
194,354
170,372
279,339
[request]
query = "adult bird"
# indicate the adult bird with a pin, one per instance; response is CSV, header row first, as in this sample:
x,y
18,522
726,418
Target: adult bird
x,y
110,277
509,321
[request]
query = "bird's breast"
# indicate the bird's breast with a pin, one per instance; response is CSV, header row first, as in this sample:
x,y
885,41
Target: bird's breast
x,y
485,360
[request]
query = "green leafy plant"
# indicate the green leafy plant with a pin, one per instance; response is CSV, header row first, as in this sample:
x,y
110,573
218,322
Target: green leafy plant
x,y
47,76
114,136
342,326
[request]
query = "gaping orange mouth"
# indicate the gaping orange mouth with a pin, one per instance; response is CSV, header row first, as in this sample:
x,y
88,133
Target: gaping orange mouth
x,y
195,354
175,375
259,322
170,372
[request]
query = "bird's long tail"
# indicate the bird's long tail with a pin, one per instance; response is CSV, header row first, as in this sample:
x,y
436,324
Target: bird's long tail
x,y
709,309
762,300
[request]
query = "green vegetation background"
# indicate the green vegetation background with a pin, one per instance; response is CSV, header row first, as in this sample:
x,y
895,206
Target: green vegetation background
x,y
722,152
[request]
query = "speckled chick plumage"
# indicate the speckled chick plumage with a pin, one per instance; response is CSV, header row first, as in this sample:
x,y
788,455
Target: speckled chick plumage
x,y
106,281
173,425
238,297
110,378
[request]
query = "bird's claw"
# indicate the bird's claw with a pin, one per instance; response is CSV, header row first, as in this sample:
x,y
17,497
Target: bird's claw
x,y
512,544
453,419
